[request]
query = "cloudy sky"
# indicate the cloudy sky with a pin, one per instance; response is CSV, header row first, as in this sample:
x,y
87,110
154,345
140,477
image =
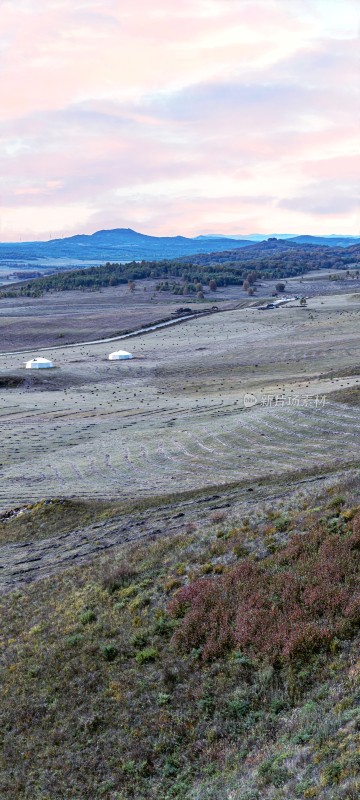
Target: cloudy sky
x,y
188,117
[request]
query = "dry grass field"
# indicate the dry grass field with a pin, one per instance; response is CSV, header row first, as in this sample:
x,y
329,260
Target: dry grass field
x,y
179,572
76,316
174,417
66,317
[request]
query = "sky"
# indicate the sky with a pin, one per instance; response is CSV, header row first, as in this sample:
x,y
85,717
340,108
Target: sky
x,y
191,117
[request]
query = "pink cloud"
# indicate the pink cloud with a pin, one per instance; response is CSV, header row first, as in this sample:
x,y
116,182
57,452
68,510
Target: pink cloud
x,y
149,115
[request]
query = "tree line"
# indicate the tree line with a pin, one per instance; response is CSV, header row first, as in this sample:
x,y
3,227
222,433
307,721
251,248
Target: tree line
x,y
274,259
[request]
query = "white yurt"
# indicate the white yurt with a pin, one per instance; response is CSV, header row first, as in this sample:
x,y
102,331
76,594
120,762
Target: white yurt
x,y
120,355
39,363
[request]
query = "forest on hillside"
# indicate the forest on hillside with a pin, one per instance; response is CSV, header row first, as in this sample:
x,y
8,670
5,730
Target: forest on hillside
x,y
274,259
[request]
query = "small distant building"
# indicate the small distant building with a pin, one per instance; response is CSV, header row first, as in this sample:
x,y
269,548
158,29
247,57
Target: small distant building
x,y
120,355
39,363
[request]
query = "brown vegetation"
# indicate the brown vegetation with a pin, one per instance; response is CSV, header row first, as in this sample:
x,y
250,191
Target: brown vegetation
x,y
97,702
284,611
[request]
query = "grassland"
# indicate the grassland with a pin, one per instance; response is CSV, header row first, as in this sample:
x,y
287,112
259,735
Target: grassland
x,y
106,696
74,316
61,318
134,495
174,417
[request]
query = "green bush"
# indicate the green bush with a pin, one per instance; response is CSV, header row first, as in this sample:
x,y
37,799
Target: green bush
x,y
87,617
109,651
271,771
140,638
147,655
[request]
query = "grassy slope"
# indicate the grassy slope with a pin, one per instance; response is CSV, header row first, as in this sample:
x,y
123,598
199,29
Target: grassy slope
x,y
98,702
350,396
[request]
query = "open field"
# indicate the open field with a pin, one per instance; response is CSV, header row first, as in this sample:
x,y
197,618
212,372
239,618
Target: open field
x,y
75,316
174,417
135,497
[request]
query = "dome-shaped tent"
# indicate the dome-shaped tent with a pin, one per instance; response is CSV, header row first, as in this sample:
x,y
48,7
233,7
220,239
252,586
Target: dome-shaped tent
x,y
39,363
120,355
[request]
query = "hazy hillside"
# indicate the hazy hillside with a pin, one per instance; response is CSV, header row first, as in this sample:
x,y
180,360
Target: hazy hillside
x,y
328,241
120,244
124,244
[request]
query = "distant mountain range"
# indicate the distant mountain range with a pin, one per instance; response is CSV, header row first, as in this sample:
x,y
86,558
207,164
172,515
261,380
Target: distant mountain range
x,y
333,240
125,244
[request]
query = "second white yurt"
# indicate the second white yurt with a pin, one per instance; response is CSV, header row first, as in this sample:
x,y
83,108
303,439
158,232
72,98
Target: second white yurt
x,y
39,363
120,355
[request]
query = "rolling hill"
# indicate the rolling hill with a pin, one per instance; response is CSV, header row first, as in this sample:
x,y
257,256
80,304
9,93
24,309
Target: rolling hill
x,y
125,244
120,244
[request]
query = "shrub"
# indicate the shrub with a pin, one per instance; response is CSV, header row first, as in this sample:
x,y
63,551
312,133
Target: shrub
x,y
171,584
141,601
272,772
239,550
218,548
285,609
218,516
119,578
73,640
337,502
163,698
87,616
332,773
147,655
282,523
164,626
140,639
109,651
239,706
191,527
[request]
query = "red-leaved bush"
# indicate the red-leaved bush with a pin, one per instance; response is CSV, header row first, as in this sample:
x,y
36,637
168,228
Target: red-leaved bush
x,y
285,610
